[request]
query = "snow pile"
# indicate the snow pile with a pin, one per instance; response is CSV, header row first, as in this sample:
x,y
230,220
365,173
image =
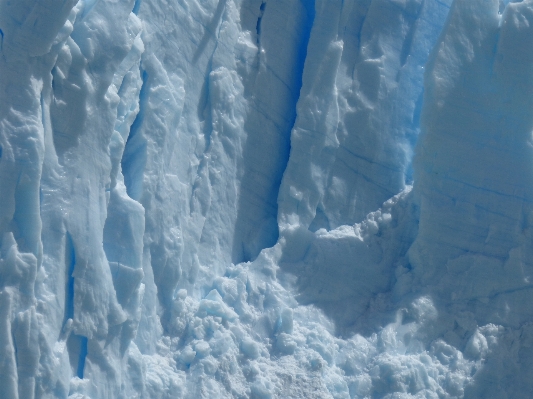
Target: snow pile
x,y
266,199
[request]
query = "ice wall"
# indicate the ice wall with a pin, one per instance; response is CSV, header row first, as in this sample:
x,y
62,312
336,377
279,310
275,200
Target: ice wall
x,y
473,164
358,117
219,198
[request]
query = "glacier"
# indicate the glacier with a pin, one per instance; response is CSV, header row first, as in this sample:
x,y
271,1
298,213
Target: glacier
x,y
266,199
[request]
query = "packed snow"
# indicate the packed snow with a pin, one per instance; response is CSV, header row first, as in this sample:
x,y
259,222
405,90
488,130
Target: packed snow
x,y
266,199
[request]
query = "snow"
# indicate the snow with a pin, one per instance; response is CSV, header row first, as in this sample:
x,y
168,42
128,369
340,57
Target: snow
x,y
266,199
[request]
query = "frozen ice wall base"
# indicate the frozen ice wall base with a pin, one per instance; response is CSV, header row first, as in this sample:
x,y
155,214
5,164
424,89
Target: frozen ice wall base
x,y
211,199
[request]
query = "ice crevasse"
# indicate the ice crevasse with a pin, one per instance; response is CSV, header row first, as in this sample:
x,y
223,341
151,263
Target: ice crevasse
x,y
266,199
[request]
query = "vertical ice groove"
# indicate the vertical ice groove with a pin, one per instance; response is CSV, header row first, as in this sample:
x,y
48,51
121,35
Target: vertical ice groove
x,y
256,225
83,355
315,107
408,41
70,263
204,110
211,32
134,156
258,24
15,348
309,6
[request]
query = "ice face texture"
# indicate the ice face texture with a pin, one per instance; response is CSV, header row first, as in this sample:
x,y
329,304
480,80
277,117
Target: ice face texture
x,y
266,199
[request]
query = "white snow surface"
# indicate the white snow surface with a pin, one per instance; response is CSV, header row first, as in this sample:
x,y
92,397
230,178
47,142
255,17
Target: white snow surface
x,y
266,199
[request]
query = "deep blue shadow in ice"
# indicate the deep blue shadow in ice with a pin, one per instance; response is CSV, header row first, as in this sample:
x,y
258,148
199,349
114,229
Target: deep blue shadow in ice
x,y
134,158
256,225
77,346
258,25
83,356
70,262
302,51
136,7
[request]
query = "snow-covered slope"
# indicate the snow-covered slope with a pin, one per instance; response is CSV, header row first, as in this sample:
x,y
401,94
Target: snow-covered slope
x,y
266,199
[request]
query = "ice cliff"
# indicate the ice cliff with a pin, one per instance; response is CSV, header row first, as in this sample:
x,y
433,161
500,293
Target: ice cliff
x,y
266,199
